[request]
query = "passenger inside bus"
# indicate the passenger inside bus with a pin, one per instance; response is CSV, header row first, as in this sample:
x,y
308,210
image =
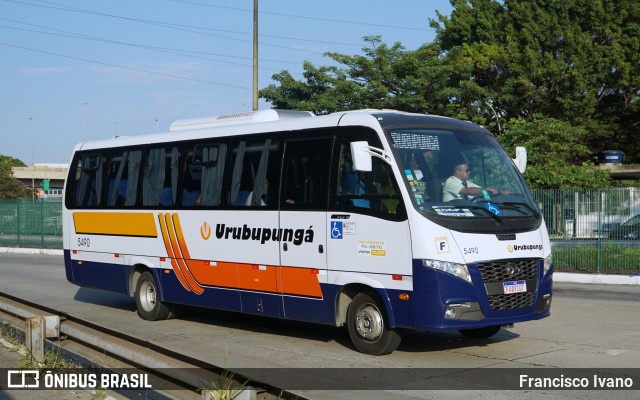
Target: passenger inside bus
x,y
266,196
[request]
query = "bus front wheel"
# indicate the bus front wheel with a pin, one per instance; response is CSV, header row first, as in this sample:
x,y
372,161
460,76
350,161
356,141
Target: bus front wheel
x,y
368,329
148,299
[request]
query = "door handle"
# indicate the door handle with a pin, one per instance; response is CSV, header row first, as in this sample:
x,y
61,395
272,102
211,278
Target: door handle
x,y
320,249
284,247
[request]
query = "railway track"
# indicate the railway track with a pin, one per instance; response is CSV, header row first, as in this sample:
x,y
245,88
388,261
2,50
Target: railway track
x,y
93,348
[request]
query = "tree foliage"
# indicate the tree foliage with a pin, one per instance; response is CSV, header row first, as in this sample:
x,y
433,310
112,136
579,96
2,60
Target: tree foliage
x,y
526,66
574,60
384,77
556,156
11,188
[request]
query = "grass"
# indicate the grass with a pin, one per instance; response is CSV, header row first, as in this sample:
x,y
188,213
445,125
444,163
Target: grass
x,y
9,334
53,358
607,258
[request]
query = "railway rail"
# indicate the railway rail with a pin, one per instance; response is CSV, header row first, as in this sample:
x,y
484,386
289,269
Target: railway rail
x,y
87,345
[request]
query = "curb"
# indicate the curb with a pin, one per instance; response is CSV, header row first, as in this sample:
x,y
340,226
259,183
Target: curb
x,y
596,279
20,250
560,277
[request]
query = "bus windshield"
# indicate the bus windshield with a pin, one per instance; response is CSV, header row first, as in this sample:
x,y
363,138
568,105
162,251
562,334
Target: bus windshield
x,y
460,173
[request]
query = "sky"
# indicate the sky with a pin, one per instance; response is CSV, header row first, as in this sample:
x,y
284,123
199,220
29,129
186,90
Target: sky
x,y
75,70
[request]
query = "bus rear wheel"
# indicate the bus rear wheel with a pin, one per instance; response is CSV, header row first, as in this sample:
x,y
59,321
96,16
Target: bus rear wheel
x,y
148,299
368,328
480,333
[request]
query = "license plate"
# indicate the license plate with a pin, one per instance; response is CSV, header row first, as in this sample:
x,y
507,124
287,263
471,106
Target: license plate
x,y
514,287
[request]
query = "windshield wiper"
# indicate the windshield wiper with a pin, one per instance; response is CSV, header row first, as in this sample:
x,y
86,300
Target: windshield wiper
x,y
475,207
535,213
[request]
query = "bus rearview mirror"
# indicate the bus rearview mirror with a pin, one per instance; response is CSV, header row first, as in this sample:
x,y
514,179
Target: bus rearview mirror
x,y
361,156
521,159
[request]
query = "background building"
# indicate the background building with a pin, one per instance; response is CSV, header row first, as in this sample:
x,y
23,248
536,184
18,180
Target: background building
x,y
47,180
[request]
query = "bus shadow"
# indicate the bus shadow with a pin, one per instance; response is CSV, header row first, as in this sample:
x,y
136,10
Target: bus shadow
x,y
419,342
265,325
412,342
222,318
105,298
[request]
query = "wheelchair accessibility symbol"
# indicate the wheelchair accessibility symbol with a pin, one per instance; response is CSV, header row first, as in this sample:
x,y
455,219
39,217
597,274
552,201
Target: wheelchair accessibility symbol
x,y
336,230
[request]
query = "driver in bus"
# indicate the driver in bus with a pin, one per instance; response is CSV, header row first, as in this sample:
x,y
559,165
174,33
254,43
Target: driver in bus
x,y
458,185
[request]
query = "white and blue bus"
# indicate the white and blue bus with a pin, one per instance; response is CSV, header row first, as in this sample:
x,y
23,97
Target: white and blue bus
x,y
338,219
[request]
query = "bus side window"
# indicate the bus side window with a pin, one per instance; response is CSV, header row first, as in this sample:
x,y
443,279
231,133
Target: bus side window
x,y
384,183
253,176
367,191
160,179
305,177
355,188
122,178
191,182
88,183
203,174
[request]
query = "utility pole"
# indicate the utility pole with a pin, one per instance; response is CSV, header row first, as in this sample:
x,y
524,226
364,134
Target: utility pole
x,y
255,55
33,165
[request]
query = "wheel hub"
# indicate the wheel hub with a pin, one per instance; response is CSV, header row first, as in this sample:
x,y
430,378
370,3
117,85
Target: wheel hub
x,y
369,323
148,298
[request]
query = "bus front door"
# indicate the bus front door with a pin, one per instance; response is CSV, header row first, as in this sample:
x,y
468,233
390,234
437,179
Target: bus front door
x,y
303,222
303,260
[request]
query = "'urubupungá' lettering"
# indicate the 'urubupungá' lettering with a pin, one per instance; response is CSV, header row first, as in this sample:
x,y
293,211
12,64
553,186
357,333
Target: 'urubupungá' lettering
x,y
244,232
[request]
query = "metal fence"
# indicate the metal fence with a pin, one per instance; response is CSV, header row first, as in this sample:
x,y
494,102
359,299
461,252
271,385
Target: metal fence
x,y
592,230
589,228
31,223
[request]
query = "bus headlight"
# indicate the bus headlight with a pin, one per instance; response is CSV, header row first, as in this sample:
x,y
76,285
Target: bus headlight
x,y
546,265
459,270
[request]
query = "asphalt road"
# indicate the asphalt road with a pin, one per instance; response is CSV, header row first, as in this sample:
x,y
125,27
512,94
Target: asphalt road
x,y
591,327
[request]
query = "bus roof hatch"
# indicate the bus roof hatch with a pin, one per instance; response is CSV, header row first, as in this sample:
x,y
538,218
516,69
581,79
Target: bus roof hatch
x,y
237,119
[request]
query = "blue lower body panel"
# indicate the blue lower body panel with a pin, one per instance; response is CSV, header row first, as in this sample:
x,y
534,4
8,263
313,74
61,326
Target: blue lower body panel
x,y
107,276
433,293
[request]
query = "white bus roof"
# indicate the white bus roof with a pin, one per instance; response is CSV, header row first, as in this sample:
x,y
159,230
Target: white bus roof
x,y
247,123
238,118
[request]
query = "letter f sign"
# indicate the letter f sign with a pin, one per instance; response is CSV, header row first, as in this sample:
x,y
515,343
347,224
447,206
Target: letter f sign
x,y
442,245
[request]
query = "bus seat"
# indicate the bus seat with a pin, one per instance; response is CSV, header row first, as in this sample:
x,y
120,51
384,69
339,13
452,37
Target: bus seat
x,y
241,200
242,197
166,200
189,197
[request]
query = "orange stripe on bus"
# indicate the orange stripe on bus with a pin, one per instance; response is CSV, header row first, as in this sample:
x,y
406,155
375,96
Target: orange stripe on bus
x,y
115,223
171,254
300,281
254,278
257,277
183,246
223,274
193,284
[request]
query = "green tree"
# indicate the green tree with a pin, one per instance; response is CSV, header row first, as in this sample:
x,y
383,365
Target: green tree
x,y
11,188
503,64
383,77
575,60
556,156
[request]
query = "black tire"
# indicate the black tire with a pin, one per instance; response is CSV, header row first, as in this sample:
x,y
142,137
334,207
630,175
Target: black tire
x,y
148,299
480,333
368,328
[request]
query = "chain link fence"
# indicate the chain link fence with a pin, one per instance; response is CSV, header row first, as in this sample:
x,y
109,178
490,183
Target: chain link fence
x,y
31,223
591,230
